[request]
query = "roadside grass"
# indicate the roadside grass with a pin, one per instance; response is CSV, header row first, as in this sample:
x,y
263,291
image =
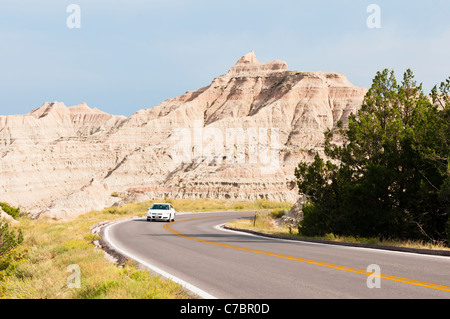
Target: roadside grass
x,y
264,223
39,268
203,205
199,205
268,223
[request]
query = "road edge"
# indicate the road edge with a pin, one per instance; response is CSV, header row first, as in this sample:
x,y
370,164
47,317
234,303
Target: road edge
x,y
119,257
423,251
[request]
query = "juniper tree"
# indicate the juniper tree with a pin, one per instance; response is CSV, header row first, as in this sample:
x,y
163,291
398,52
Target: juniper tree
x,y
390,177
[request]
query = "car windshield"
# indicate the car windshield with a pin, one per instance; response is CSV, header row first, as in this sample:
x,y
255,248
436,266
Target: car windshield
x,y
160,206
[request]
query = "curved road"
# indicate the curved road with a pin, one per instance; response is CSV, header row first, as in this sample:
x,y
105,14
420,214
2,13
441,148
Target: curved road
x,y
217,263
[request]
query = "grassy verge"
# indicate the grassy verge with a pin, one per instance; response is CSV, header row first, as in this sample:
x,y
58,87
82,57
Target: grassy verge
x,y
202,205
40,267
267,223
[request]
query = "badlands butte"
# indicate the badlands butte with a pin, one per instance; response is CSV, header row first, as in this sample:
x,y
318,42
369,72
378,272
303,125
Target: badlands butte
x,y
60,161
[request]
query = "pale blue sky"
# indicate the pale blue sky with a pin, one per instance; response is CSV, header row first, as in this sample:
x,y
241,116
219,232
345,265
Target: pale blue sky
x,y
134,54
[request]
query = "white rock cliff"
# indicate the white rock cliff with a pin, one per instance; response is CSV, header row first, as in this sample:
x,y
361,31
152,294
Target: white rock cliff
x,y
239,138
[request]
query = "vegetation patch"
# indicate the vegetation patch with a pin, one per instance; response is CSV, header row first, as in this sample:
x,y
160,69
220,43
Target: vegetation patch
x,y
390,178
10,210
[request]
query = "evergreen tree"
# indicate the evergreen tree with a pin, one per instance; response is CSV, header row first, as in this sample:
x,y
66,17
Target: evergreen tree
x,y
390,178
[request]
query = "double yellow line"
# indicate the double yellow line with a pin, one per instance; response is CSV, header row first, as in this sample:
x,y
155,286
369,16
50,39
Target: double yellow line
x,y
304,260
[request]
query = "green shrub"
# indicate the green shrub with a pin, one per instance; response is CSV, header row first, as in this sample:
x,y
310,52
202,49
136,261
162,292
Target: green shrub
x,y
277,213
11,263
9,239
313,222
12,211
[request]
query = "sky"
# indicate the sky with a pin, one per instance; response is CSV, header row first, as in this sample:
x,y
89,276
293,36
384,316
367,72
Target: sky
x,y
125,55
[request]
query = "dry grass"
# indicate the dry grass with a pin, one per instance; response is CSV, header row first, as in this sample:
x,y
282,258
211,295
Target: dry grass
x,y
202,205
264,223
39,268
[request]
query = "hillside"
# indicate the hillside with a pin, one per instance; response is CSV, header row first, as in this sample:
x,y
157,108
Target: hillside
x,y
239,138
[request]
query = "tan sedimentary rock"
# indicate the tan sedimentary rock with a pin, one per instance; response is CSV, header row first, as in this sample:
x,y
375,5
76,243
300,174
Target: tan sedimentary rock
x,y
239,138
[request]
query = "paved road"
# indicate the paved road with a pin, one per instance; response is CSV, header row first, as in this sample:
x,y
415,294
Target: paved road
x,y
226,264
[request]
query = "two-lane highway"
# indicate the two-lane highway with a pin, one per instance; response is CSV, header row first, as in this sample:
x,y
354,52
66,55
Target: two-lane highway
x,y
228,264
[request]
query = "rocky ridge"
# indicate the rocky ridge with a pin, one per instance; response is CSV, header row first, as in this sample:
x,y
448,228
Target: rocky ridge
x,y
240,137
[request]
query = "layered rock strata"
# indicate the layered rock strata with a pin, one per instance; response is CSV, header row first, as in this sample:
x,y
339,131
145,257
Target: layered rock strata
x,y
238,138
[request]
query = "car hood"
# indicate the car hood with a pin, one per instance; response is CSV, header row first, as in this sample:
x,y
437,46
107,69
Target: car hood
x,y
158,211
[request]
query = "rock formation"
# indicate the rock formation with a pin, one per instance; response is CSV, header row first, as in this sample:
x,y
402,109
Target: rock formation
x,y
239,138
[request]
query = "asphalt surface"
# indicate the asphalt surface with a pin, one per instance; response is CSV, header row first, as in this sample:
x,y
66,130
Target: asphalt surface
x,y
226,264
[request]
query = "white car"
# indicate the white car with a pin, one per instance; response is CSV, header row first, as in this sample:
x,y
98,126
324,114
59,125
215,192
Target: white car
x,y
161,211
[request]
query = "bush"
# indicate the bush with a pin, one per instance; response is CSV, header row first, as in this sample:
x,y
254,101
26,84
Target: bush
x,y
8,239
11,264
12,211
277,213
313,223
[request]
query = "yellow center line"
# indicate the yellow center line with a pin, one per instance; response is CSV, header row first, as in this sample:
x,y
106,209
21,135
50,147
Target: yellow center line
x,y
304,260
